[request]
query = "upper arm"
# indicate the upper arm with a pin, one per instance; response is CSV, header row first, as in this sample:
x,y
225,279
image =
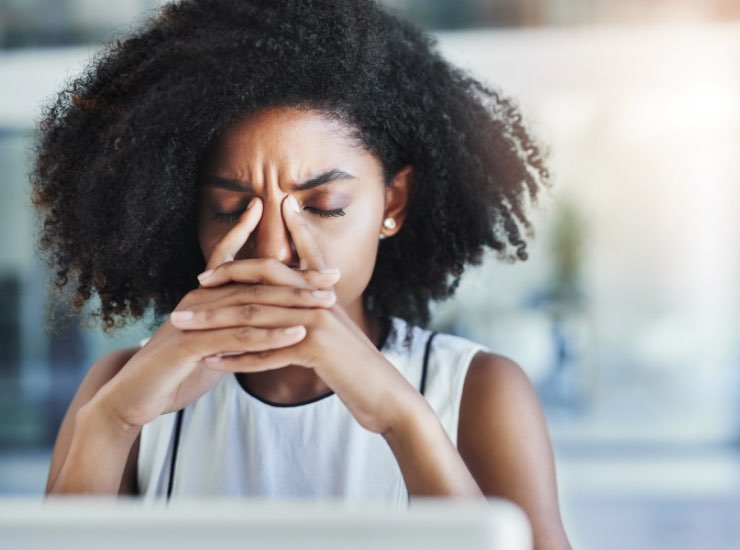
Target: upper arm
x,y
97,376
503,439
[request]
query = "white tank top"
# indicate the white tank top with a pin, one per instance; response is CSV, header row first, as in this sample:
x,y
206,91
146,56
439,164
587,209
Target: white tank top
x,y
232,443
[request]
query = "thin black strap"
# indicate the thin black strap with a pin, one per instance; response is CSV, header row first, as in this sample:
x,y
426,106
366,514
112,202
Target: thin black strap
x,y
423,384
175,445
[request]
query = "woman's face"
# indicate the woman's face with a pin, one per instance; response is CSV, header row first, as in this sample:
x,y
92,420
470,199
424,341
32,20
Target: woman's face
x,y
270,152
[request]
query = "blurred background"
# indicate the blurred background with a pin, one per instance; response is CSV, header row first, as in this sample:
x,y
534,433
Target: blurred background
x,y
626,314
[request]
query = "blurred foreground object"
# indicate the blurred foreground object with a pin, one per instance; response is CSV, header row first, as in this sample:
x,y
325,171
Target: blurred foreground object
x,y
430,524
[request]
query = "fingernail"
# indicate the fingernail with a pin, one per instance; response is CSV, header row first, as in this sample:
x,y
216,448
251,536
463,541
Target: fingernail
x,y
322,294
252,203
203,276
304,264
181,315
330,270
294,330
213,359
293,203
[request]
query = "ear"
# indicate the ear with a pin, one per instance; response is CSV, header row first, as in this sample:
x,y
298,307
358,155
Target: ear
x,y
397,197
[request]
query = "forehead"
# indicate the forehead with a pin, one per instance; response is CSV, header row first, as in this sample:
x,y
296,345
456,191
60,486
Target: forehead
x,y
287,136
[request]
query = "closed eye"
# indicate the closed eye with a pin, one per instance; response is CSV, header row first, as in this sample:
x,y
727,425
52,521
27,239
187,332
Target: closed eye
x,y
231,217
326,213
227,217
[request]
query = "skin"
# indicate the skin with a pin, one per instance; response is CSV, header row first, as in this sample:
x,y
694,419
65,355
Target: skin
x,y
264,155
264,261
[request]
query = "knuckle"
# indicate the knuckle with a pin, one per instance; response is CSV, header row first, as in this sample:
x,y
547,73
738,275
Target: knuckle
x,y
223,268
233,292
313,278
249,312
256,292
275,268
244,334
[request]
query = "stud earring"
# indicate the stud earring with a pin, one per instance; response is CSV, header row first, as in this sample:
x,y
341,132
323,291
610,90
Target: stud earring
x,y
388,223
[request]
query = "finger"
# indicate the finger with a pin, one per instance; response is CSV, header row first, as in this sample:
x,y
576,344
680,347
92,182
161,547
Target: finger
x,y
215,316
244,315
229,245
267,271
256,361
231,293
244,339
326,278
305,243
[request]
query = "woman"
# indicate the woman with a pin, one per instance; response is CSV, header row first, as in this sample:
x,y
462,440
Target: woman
x,y
325,174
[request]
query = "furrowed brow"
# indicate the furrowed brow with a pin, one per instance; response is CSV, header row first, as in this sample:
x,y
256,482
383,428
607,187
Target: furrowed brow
x,y
229,185
326,177
245,186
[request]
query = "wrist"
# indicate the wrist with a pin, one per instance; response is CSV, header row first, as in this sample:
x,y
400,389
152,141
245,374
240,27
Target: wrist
x,y
97,417
429,460
97,453
408,412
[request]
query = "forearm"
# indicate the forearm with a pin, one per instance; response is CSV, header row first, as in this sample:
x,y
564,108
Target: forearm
x,y
429,462
97,455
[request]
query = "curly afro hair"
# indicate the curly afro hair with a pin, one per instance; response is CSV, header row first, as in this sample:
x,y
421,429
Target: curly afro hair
x,y
120,149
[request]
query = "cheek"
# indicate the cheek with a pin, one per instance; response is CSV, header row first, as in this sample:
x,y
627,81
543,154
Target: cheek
x,y
349,238
352,247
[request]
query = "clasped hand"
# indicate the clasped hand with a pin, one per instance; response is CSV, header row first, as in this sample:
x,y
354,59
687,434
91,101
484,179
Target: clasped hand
x,y
254,315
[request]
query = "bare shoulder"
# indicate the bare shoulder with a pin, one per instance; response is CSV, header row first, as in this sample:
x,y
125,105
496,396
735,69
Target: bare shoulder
x,y
498,404
503,439
102,371
490,372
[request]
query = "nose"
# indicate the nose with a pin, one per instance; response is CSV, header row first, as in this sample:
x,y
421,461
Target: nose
x,y
271,238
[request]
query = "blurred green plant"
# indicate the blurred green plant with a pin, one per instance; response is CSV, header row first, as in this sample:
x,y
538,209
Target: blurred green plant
x,y
567,242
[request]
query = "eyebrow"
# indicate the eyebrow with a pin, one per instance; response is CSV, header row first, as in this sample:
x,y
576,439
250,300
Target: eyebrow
x,y
242,186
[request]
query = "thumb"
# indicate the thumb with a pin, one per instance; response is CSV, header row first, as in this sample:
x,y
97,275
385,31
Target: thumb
x,y
229,245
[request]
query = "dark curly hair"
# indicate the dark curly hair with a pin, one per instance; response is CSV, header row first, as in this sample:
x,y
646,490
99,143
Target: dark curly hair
x,y
120,148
